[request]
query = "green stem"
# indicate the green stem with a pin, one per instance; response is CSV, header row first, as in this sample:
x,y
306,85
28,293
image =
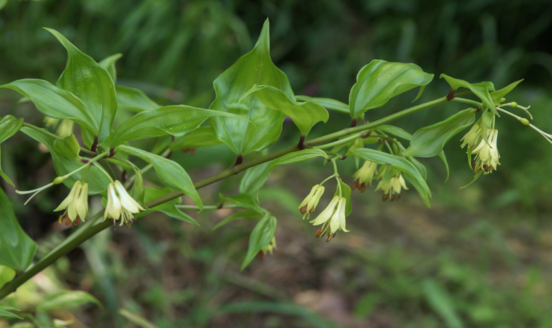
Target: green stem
x,y
467,101
91,228
206,207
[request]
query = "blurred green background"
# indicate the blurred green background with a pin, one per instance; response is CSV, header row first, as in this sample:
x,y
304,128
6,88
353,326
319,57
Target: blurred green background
x,y
481,257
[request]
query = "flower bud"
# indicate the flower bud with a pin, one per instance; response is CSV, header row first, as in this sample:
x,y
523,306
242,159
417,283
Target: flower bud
x,y
58,180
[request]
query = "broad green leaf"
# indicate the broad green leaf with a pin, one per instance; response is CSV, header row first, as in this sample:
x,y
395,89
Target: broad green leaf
x,y
170,120
380,80
3,3
400,164
481,89
16,248
304,114
97,180
499,94
68,147
243,200
67,300
430,140
91,83
109,65
255,177
328,103
6,275
263,125
170,173
136,319
394,130
260,237
55,102
345,192
419,166
169,208
200,137
9,126
441,302
134,99
247,214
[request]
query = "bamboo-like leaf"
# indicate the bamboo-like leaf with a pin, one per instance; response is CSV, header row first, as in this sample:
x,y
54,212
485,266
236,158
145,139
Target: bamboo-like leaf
x,y
260,237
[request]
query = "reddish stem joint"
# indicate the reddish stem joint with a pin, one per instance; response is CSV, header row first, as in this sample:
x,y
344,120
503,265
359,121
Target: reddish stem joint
x,y
301,144
94,144
450,95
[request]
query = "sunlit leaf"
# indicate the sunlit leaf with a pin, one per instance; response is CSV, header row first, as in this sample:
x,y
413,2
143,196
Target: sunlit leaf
x,y
91,83
109,65
264,125
380,80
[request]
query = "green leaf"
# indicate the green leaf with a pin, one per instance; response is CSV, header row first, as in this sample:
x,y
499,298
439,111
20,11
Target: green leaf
x,y
400,164
3,3
419,166
136,319
345,192
200,137
264,125
97,180
6,275
5,311
169,208
481,89
441,302
394,130
68,147
499,94
134,99
328,103
55,102
444,159
91,83
430,140
260,237
380,80
247,214
109,65
137,192
170,120
172,174
243,200
66,299
304,114
255,177
16,248
9,126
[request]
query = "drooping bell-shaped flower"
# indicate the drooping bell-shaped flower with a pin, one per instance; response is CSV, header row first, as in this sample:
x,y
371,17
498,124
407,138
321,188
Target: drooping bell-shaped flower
x,y
332,218
473,137
311,201
393,187
120,205
364,176
486,154
76,203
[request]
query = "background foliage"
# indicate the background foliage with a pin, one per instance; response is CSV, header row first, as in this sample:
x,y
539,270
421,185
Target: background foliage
x,y
479,258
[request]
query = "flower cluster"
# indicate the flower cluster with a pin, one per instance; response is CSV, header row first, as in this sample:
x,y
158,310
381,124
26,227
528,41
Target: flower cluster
x,y
332,218
485,149
393,187
75,204
311,201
